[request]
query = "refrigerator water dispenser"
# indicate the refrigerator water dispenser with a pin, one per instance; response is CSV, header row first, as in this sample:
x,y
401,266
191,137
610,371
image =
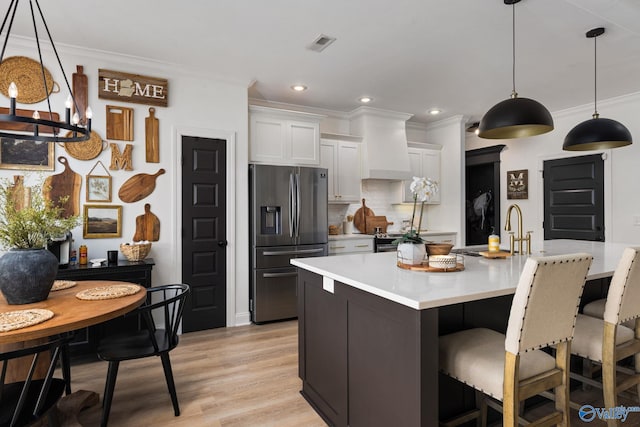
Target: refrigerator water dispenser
x,y
270,220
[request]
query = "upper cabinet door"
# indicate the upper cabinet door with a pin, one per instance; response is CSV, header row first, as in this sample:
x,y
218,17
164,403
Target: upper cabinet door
x,y
267,140
342,159
423,162
329,160
304,141
281,137
349,171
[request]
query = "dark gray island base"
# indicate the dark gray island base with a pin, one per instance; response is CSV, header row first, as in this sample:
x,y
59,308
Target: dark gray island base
x,y
368,331
365,360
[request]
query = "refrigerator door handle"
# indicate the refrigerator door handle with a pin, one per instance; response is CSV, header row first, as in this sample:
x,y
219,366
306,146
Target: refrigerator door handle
x,y
298,204
291,206
298,252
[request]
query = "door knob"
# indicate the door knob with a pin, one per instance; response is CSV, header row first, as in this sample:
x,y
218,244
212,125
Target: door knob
x,y
222,243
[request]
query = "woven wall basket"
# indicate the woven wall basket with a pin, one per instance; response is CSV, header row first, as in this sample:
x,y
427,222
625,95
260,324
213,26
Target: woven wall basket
x,y
27,75
85,150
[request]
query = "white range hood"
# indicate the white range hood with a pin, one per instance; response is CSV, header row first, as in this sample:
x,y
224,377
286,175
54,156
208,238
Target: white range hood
x,y
384,143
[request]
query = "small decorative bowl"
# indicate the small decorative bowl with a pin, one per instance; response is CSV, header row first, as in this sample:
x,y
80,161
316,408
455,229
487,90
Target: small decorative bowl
x,y
442,261
438,248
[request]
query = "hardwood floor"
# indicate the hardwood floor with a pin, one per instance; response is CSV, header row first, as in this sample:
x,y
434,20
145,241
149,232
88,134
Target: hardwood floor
x,y
244,376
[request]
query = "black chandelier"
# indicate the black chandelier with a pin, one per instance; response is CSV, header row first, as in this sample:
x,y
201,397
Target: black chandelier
x,y
30,128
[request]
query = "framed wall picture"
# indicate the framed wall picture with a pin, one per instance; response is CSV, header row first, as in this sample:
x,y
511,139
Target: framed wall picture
x,y
518,184
98,186
102,221
26,155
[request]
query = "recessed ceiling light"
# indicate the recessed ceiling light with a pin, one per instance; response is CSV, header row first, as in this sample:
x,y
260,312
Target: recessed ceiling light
x,y
365,99
434,111
299,88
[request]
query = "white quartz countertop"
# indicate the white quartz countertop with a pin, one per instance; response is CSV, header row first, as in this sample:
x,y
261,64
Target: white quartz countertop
x,y
482,278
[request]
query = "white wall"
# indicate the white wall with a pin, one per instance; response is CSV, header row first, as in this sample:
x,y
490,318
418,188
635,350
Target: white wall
x,y
621,167
199,105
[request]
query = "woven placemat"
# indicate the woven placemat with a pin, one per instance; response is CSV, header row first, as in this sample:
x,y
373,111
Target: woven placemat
x,y
59,285
17,319
27,75
108,292
86,150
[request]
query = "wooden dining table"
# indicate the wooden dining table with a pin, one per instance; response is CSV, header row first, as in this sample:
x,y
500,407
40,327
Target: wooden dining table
x,y
69,314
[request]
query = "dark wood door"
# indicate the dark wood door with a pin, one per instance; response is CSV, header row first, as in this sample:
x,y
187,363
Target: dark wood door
x,y
482,190
574,198
204,226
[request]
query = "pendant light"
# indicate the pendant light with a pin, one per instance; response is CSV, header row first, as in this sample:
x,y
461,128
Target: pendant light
x,y
596,133
515,117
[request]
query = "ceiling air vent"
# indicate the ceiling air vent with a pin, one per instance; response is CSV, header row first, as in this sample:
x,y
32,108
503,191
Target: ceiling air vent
x,y
321,43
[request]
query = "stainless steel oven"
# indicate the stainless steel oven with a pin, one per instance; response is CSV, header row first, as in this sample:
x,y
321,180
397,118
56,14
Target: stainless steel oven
x,y
384,243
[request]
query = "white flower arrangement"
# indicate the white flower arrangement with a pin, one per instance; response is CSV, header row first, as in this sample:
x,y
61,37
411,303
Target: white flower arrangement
x,y
423,190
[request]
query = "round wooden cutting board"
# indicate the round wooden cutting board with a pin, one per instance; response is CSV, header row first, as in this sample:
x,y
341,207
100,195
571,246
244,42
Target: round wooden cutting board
x,y
359,218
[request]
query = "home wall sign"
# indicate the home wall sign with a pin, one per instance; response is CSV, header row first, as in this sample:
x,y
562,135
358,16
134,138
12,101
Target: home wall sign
x,y
134,88
518,184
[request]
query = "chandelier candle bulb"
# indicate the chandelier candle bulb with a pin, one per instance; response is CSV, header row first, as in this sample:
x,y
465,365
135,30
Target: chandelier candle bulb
x,y
67,110
13,94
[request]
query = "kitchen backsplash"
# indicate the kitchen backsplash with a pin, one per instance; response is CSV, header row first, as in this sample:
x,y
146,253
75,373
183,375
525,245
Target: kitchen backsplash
x,y
381,197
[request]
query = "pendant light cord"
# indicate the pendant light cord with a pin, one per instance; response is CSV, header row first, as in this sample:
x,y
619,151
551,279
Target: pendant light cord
x,y
595,77
513,50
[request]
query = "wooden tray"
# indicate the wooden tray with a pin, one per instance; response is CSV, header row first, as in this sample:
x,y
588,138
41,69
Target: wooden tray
x,y
499,254
425,267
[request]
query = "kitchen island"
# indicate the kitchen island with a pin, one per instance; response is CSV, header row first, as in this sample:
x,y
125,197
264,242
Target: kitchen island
x,y
368,330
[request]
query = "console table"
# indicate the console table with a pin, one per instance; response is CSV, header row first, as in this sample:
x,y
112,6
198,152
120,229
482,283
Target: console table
x,y
86,339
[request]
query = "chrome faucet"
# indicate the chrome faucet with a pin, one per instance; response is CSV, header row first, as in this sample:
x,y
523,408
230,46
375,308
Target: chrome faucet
x,y
519,238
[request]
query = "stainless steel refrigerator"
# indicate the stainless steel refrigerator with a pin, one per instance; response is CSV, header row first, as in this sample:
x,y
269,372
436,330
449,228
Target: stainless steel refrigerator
x,y
288,219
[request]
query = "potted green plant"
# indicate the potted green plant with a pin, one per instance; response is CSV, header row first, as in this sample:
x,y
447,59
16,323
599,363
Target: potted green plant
x,y
411,248
28,269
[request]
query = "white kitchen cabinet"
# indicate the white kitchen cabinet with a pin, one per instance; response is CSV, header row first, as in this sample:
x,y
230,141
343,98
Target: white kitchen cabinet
x,y
350,245
342,160
282,137
423,162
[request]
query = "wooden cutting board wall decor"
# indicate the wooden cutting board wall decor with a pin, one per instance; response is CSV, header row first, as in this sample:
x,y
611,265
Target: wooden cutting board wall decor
x,y
138,187
65,184
119,123
80,93
152,142
20,194
27,127
147,226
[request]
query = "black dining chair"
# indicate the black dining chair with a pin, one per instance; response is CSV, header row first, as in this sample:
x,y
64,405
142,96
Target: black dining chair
x,y
24,402
163,302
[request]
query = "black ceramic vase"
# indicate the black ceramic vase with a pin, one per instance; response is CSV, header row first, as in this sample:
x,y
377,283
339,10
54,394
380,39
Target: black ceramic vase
x,y
26,275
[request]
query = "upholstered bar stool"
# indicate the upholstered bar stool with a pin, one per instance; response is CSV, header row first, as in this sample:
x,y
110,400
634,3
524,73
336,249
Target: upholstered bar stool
x,y
607,340
511,368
